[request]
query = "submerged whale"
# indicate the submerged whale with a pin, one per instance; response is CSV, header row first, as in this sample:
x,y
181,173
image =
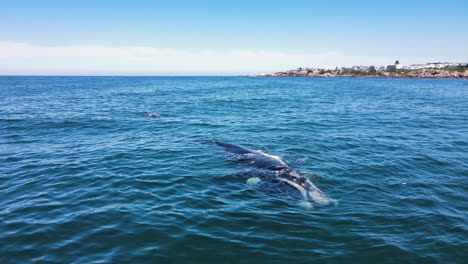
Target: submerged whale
x,y
153,115
280,171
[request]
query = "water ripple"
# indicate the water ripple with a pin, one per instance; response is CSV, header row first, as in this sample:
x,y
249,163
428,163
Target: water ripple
x,y
86,177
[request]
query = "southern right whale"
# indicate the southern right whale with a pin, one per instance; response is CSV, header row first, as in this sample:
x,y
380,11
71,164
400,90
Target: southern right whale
x,y
153,115
280,171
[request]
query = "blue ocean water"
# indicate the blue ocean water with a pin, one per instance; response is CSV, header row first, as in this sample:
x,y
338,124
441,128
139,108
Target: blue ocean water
x,y
86,177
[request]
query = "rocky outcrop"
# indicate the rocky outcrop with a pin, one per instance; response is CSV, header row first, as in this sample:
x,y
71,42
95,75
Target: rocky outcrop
x,y
421,73
433,73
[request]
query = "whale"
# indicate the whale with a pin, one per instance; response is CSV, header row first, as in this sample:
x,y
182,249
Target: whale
x,y
153,115
280,171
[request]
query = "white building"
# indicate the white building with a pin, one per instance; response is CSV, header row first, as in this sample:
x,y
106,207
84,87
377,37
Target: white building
x,y
417,66
446,64
360,68
432,65
399,66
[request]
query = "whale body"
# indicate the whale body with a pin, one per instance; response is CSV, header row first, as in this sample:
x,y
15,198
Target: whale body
x,y
280,170
153,115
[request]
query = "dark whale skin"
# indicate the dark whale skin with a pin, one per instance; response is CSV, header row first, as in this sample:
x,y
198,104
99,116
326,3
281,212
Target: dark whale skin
x,y
255,158
281,171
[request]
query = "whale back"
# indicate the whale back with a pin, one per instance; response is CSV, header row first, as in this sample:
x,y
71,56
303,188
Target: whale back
x,y
234,149
255,158
283,172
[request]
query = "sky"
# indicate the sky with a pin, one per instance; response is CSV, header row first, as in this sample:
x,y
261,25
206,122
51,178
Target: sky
x,y
224,37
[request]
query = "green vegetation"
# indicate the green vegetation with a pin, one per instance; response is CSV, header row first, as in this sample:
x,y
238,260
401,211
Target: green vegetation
x,y
399,72
357,72
402,71
456,69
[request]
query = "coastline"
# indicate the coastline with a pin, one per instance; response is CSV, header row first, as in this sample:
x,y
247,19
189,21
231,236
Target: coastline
x,y
455,73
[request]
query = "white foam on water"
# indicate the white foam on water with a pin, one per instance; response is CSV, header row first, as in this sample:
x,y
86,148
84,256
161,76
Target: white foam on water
x,y
306,205
253,181
335,202
321,199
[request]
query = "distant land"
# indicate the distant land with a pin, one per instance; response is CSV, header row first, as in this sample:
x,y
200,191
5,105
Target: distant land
x,y
396,70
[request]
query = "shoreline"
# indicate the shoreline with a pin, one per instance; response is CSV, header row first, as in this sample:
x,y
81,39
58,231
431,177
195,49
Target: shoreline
x,y
370,77
449,73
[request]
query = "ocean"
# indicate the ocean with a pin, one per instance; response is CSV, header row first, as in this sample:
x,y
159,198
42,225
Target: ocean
x,y
86,177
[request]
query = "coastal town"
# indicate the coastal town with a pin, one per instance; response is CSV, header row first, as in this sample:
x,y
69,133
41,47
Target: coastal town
x,y
396,70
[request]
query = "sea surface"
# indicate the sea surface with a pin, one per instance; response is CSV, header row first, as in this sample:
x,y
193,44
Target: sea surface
x,y
86,177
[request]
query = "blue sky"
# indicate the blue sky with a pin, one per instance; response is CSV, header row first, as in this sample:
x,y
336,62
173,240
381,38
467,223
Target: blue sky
x,y
225,37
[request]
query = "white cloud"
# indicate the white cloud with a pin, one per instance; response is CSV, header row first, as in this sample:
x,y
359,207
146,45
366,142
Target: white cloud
x,y
24,58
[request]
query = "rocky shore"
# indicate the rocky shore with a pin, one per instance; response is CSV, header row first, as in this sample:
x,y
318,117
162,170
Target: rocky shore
x,y
460,72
